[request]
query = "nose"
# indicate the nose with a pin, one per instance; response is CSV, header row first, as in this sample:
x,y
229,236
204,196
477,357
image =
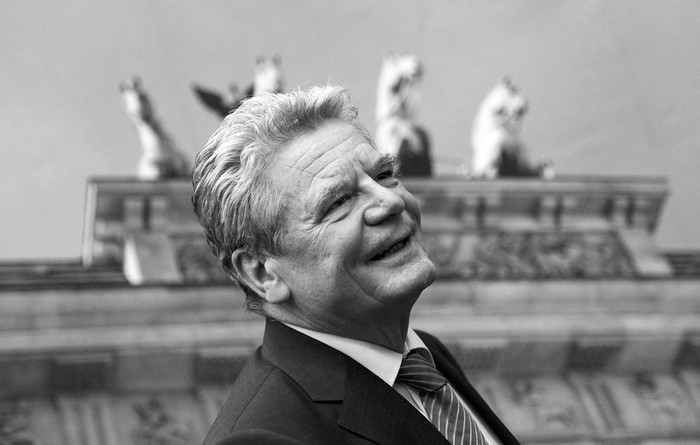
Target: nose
x,y
384,203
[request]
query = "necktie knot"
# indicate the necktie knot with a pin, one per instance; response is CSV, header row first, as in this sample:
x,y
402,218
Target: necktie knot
x,y
418,370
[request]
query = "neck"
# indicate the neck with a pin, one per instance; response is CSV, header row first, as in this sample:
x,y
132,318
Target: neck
x,y
389,335
389,330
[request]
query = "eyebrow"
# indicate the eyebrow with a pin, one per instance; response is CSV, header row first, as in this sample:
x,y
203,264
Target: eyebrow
x,y
386,160
328,194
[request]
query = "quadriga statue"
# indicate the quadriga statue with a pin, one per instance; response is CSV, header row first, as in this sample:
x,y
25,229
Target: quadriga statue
x,y
497,148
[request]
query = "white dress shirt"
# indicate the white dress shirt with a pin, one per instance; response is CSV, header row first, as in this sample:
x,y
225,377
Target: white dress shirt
x,y
385,363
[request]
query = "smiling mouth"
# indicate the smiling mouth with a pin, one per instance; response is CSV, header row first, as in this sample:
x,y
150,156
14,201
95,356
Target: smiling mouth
x,y
391,250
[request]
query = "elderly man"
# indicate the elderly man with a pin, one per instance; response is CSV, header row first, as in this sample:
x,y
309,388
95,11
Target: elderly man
x,y
311,221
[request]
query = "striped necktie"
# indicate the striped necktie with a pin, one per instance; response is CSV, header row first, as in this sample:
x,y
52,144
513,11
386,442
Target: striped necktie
x,y
440,401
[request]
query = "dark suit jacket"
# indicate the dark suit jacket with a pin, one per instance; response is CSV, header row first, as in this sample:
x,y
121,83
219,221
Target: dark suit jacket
x,y
296,390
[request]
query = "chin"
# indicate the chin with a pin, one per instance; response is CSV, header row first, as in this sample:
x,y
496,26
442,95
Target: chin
x,y
422,276
430,273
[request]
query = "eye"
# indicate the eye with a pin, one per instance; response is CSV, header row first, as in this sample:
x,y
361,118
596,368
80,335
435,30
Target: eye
x,y
387,174
337,203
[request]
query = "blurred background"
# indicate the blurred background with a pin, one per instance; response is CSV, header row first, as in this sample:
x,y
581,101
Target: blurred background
x,y
612,86
573,305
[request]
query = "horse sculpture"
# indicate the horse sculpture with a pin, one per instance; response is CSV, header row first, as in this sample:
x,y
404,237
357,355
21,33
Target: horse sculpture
x,y
268,79
160,159
497,149
397,133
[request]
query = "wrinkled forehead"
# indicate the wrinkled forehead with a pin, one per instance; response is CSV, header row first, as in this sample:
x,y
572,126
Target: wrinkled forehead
x,y
330,145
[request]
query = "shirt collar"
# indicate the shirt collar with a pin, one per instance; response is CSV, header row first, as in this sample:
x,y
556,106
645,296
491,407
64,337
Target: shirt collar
x,y
381,361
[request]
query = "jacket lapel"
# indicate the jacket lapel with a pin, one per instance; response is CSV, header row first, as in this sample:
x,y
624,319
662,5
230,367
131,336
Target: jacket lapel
x,y
377,412
370,407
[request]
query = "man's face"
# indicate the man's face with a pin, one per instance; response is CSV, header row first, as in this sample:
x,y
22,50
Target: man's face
x,y
353,249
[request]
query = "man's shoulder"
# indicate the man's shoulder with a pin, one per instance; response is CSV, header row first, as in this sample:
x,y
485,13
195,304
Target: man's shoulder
x,y
253,376
264,401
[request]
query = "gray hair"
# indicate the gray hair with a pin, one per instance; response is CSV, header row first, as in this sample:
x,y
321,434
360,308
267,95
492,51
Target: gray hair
x,y
235,201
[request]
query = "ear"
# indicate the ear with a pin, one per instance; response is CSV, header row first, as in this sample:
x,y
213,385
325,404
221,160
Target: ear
x,y
261,276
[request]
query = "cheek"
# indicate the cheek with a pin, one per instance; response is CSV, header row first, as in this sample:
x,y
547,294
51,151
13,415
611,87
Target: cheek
x,y
342,248
338,250
327,248
323,250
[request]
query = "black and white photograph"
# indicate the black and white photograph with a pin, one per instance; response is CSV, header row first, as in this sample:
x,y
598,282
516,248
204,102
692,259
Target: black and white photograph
x,y
393,222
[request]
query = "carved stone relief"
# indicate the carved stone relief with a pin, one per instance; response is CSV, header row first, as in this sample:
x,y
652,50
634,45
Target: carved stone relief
x,y
529,255
15,418
665,399
646,401
538,405
157,426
